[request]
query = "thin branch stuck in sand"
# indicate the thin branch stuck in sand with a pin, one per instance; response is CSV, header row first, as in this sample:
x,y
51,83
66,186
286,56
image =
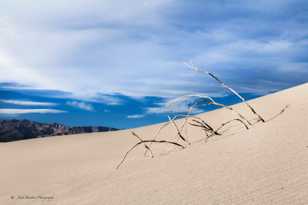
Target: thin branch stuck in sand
x,y
178,130
198,70
147,141
281,111
211,102
158,132
145,145
230,121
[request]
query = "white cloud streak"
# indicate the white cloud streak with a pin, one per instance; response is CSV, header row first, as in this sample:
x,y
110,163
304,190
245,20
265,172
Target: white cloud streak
x,y
81,105
29,111
108,100
137,116
170,106
27,103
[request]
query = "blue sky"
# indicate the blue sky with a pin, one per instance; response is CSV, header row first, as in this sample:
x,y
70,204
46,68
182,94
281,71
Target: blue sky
x,y
117,64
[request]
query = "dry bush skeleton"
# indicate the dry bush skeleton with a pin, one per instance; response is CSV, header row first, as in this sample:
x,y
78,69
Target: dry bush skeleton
x,y
197,121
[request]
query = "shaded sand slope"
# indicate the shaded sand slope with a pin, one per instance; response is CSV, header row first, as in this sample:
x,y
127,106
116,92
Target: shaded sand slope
x,y
267,164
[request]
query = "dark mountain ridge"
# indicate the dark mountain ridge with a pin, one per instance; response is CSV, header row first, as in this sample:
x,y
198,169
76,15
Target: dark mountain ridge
x,y
12,130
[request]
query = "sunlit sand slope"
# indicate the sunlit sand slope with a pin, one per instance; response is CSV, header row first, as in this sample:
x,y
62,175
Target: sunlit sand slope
x,y
267,164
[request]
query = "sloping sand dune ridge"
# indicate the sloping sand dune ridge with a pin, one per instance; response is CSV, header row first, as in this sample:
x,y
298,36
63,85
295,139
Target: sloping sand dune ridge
x,y
267,164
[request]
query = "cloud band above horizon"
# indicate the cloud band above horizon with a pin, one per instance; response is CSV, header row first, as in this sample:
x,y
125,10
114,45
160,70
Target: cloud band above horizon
x,y
107,47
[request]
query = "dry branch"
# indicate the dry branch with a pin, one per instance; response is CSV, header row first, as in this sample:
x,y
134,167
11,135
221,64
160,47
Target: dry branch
x,y
145,145
203,123
211,101
167,123
231,109
157,134
281,111
196,69
209,131
178,130
147,141
228,122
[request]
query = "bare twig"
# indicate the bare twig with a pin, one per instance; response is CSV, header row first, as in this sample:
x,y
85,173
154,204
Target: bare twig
x,y
178,130
231,109
145,145
204,124
157,134
167,123
197,120
209,131
211,101
281,111
230,121
196,69
147,141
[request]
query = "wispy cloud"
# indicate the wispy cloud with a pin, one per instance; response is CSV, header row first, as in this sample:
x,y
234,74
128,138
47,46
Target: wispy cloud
x,y
81,105
139,53
165,110
170,107
29,111
108,99
27,103
135,116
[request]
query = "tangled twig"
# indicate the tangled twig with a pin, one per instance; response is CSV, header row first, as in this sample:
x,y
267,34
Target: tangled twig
x,y
145,145
230,121
158,132
178,130
144,142
211,102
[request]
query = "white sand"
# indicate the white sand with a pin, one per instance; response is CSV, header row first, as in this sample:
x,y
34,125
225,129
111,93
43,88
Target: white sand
x,y
267,164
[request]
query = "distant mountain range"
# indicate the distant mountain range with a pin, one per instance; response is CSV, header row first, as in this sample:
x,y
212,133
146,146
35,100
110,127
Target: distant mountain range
x,y
12,130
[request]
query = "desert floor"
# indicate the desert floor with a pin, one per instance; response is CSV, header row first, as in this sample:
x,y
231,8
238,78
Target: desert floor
x,y
267,164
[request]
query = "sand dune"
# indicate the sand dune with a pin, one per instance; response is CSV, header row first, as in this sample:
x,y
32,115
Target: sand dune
x,y
267,164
